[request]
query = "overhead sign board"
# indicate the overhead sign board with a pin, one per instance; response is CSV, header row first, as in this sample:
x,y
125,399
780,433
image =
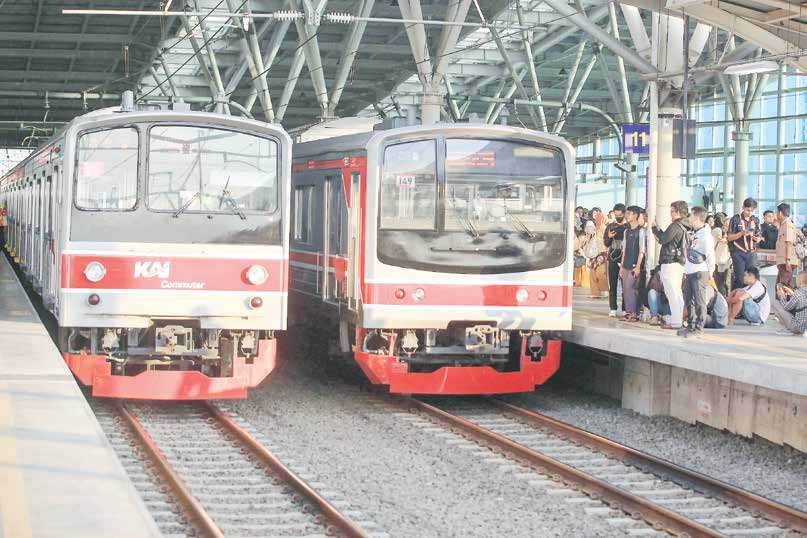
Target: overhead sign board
x,y
636,137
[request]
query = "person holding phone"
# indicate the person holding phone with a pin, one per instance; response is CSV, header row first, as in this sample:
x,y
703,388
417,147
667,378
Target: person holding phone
x,y
613,238
790,307
743,236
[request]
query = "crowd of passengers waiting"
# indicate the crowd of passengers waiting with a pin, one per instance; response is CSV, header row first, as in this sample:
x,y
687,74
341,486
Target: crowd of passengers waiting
x,y
707,274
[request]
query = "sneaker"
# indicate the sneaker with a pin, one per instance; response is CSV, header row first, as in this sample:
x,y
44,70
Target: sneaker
x,y
683,332
612,314
784,332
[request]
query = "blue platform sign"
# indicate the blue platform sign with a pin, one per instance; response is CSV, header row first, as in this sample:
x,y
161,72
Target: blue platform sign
x,y
636,137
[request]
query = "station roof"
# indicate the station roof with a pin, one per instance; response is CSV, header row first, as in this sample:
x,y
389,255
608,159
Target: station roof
x,y
54,66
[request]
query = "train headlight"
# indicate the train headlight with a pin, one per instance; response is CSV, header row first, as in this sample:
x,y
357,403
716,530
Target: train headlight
x,y
522,295
95,271
257,275
418,294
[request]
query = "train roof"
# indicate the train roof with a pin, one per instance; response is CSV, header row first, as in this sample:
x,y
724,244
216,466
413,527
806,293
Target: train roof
x,y
115,116
361,141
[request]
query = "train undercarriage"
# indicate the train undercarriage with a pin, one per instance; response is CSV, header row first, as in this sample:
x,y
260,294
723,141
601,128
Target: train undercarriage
x,y
170,360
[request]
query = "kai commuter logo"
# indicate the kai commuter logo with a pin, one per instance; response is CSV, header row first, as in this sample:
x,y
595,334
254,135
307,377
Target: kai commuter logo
x,y
152,269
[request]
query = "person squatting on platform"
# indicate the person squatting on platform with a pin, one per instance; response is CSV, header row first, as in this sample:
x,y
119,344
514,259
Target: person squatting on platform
x,y
672,258
751,300
790,307
700,265
630,266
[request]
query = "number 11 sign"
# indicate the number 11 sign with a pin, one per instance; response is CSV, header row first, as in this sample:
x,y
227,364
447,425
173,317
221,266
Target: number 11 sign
x,y
636,137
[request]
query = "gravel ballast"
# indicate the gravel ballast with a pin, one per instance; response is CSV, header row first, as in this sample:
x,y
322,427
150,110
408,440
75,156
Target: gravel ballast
x,y
410,476
773,471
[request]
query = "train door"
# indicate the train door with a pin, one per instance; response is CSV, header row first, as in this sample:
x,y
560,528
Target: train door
x,y
26,234
353,251
46,260
36,245
326,281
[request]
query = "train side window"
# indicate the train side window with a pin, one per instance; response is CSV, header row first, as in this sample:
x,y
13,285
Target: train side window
x,y
107,170
303,213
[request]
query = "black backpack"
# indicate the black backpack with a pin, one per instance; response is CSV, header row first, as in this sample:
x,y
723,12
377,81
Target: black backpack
x,y
682,249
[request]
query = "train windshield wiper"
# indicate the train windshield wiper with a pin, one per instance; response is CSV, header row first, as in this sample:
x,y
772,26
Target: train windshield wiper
x,y
187,204
227,197
470,229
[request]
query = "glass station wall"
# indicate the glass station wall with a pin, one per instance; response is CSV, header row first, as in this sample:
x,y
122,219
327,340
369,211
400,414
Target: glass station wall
x,y
777,164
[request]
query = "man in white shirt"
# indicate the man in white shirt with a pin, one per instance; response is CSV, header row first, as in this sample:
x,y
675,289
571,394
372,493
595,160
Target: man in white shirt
x,y
698,269
752,299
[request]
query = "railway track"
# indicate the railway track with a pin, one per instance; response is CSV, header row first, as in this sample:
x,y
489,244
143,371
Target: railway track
x,y
202,474
636,486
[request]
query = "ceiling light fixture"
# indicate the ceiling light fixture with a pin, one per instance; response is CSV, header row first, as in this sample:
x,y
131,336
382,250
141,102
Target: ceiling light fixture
x,y
752,68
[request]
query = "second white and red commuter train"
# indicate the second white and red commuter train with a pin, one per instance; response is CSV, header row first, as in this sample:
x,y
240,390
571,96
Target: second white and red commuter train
x,y
438,257
159,241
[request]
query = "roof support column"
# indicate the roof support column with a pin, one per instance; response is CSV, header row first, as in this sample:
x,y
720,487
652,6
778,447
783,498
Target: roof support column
x,y
157,81
351,47
564,113
307,40
220,96
258,75
269,58
432,99
631,181
526,38
200,57
168,77
584,23
295,69
452,104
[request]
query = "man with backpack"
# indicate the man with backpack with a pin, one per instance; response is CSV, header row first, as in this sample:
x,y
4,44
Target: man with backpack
x,y
674,242
613,238
744,235
698,269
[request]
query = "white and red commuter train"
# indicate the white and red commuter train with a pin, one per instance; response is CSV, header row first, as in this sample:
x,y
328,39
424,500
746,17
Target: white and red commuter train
x,y
438,257
159,242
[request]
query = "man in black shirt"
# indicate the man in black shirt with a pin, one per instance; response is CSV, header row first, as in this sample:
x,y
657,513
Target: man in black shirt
x,y
672,258
633,249
743,236
769,230
613,238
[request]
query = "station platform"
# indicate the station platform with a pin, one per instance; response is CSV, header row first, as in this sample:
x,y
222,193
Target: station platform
x,y
744,379
58,475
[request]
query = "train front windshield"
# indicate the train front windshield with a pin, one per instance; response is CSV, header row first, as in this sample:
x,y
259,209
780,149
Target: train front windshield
x,y
472,206
197,184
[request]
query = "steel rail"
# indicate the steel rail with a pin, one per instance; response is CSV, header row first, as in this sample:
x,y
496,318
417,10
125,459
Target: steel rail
x,y
636,506
341,522
776,512
199,516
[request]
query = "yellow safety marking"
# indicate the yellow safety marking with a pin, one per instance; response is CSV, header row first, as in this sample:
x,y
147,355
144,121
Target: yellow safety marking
x,y
13,499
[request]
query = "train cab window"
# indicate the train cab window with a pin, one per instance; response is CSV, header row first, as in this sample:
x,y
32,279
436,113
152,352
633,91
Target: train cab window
x,y
501,207
107,170
409,186
202,169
